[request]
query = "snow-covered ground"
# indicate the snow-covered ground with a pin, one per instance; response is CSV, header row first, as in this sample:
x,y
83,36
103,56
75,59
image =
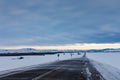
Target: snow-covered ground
x,y
107,71
107,64
7,63
106,58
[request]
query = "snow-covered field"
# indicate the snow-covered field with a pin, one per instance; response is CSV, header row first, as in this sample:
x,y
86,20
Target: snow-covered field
x,y
106,58
7,63
108,72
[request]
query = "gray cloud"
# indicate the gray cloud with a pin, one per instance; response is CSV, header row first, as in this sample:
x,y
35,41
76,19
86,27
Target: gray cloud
x,y
47,22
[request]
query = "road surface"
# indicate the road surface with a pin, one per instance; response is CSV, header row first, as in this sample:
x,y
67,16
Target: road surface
x,y
74,69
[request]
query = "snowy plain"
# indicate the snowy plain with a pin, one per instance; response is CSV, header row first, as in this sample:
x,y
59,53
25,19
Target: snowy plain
x,y
106,63
107,71
7,63
112,59
13,62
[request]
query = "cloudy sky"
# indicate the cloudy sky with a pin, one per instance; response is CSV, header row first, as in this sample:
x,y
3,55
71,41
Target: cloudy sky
x,y
59,22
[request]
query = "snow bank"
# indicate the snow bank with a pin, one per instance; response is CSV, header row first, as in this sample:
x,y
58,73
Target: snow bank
x,y
107,58
107,71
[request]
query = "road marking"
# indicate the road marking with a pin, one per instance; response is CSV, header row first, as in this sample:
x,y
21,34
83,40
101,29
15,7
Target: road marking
x,y
41,76
10,73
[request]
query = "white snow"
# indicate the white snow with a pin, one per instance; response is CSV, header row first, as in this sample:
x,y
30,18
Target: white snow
x,y
107,71
102,62
106,58
7,63
107,64
88,73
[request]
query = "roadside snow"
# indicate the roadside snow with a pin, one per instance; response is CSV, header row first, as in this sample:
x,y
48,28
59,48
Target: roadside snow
x,y
107,58
107,71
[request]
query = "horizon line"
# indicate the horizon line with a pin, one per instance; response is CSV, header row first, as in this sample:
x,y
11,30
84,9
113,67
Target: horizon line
x,y
76,46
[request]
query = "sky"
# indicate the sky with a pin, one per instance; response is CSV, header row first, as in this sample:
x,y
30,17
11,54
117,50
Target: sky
x,y
59,22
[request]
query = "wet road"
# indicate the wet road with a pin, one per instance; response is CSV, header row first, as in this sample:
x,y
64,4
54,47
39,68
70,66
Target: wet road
x,y
74,69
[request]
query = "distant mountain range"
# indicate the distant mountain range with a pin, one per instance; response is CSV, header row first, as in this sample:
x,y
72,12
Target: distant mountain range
x,y
105,50
25,50
31,50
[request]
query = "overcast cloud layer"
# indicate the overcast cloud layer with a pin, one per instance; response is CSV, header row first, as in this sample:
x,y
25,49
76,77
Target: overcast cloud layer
x,y
54,22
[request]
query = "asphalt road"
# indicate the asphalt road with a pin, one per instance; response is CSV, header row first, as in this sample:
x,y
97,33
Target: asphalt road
x,y
74,69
